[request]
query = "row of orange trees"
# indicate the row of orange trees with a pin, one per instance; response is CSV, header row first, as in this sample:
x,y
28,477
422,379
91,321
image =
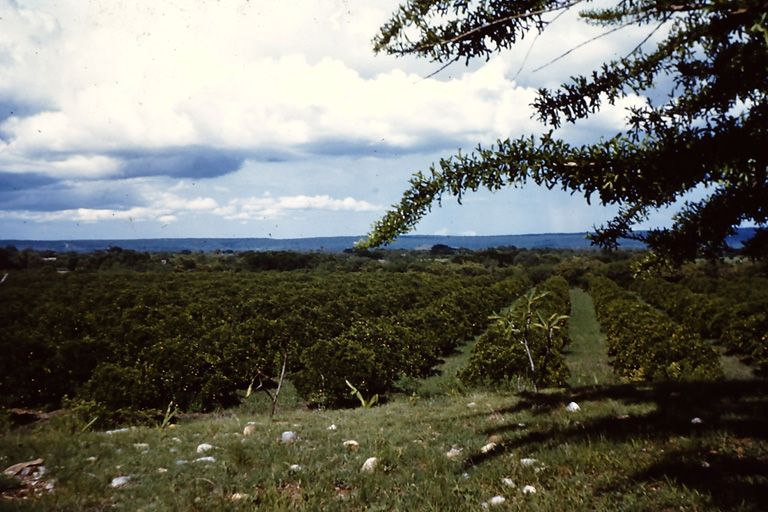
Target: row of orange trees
x,y
525,341
646,343
733,311
118,342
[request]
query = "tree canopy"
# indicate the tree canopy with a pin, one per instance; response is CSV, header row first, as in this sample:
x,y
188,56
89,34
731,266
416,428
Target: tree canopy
x,y
710,131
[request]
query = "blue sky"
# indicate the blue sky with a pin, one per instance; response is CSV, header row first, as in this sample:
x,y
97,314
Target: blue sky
x,y
258,118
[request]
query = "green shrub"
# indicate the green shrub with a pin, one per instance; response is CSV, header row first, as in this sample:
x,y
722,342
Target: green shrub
x,y
529,333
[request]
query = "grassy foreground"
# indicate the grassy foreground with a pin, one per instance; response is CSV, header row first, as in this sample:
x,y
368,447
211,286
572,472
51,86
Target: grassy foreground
x,y
695,446
627,448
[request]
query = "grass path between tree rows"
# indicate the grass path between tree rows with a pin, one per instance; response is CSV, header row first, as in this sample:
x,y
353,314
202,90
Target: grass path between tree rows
x,y
586,356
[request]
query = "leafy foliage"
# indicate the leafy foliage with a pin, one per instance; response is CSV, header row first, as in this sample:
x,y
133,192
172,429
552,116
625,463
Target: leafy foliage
x,y
645,343
525,341
710,131
131,341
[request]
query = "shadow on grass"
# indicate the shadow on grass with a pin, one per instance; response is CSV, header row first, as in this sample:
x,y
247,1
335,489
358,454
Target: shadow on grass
x,y
725,455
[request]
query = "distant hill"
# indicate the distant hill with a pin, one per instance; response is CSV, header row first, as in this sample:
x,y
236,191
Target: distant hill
x,y
328,244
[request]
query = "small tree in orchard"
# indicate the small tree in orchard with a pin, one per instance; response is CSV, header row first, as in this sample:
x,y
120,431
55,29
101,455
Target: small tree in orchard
x,y
523,341
712,130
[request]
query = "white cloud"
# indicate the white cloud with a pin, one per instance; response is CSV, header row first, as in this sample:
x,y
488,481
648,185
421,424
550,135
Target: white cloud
x,y
252,103
273,208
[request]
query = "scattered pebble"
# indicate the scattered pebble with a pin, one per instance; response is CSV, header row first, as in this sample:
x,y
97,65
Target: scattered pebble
x,y
295,467
453,453
162,470
238,496
351,445
332,427
488,448
205,459
204,447
697,421
249,429
471,404
508,482
370,465
572,407
528,462
288,437
117,431
119,481
529,489
497,500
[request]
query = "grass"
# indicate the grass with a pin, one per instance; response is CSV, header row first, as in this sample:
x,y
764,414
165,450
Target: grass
x,y
629,447
586,356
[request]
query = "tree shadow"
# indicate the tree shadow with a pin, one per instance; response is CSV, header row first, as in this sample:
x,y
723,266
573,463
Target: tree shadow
x,y
734,476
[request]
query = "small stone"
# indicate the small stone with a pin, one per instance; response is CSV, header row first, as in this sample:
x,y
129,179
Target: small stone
x,y
572,407
528,462
370,465
204,447
249,429
205,459
238,496
697,421
471,404
529,489
488,448
332,427
162,470
497,500
351,445
288,437
117,431
295,467
119,481
453,453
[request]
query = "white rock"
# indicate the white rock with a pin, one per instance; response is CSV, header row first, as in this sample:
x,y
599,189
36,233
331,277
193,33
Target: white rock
x,y
332,427
528,462
249,429
204,459
119,481
488,448
572,407
508,482
529,489
697,421
453,453
288,437
204,447
370,465
295,467
118,431
471,404
351,445
497,500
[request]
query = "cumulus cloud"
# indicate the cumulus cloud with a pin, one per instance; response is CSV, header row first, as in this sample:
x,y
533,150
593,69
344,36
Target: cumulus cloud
x,y
168,111
274,208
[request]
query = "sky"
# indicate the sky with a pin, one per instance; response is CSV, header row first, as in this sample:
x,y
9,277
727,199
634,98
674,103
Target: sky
x,y
257,118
